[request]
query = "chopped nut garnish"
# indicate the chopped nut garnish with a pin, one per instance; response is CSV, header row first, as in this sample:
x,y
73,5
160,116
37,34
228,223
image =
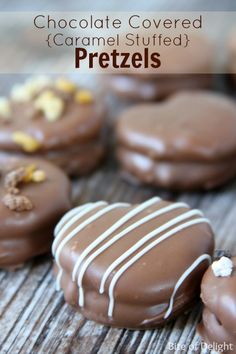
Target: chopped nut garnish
x,y
13,178
27,142
51,105
23,174
29,170
22,93
14,200
5,109
37,83
17,202
42,98
26,91
65,85
38,176
53,109
34,175
83,96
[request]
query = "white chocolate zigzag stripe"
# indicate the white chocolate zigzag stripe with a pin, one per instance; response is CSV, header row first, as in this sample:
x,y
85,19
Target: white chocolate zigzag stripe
x,y
117,237
145,239
81,226
73,218
183,277
68,216
102,237
137,210
85,223
143,252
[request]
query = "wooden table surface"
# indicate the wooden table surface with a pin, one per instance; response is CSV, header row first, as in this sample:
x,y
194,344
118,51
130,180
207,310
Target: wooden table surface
x,y
34,317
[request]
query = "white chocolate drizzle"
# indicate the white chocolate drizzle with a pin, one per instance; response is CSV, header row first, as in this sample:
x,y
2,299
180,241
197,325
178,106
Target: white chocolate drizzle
x,y
74,215
69,219
79,228
102,237
141,253
183,277
145,239
117,237
133,254
68,216
112,229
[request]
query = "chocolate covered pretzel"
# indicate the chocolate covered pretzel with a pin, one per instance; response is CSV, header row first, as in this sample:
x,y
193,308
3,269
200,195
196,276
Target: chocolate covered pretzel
x,y
132,266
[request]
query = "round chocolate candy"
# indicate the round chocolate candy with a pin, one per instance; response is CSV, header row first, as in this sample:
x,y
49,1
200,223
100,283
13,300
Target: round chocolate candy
x,y
132,266
186,142
58,121
34,194
181,69
218,293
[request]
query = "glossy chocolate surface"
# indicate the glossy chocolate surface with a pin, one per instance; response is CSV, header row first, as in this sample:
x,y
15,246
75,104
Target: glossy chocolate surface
x,y
66,141
26,234
156,87
88,243
176,174
79,123
75,160
181,69
159,142
219,315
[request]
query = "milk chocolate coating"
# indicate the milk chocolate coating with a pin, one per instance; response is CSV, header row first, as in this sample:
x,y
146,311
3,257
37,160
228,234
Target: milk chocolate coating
x,y
158,87
171,174
219,315
187,142
80,125
26,234
181,69
74,160
143,291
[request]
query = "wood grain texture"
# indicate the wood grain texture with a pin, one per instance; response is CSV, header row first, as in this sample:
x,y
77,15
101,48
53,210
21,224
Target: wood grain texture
x,y
34,317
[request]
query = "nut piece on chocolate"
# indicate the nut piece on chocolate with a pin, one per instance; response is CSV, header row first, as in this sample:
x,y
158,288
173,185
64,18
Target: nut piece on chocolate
x,y
132,266
186,142
218,293
55,120
34,194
